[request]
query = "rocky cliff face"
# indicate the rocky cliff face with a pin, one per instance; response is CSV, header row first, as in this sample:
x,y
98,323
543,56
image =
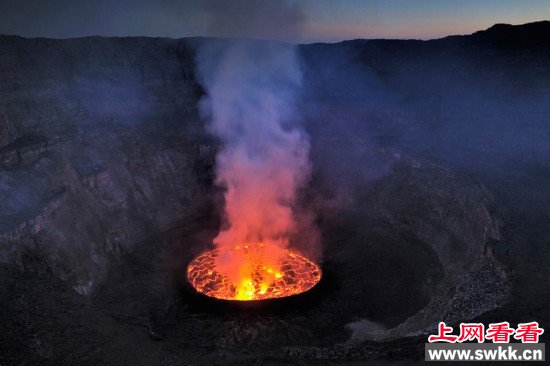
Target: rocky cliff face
x,y
99,140
417,242
458,220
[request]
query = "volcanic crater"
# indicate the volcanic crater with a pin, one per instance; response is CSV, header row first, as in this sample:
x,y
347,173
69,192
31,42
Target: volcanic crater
x,y
108,184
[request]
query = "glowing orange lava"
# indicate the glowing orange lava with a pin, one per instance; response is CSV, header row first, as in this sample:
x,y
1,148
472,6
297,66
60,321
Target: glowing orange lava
x,y
258,272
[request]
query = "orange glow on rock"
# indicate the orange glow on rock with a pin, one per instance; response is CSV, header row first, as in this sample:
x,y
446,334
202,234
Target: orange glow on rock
x,y
252,272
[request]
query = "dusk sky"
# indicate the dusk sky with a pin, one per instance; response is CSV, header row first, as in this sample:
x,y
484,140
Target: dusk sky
x,y
295,21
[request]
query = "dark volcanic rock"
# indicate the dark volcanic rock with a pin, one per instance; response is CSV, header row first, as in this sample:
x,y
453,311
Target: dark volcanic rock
x,y
106,186
99,141
375,263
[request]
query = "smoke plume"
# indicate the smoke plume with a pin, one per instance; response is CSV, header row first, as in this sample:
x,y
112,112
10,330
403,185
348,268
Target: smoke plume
x,y
251,87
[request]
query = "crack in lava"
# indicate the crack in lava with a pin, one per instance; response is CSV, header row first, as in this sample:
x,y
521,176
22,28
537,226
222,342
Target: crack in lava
x,y
264,272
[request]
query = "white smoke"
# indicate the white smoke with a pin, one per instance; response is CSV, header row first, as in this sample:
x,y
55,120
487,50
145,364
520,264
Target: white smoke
x,y
251,87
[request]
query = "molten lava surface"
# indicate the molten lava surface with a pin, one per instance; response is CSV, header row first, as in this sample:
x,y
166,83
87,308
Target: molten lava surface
x,y
252,272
